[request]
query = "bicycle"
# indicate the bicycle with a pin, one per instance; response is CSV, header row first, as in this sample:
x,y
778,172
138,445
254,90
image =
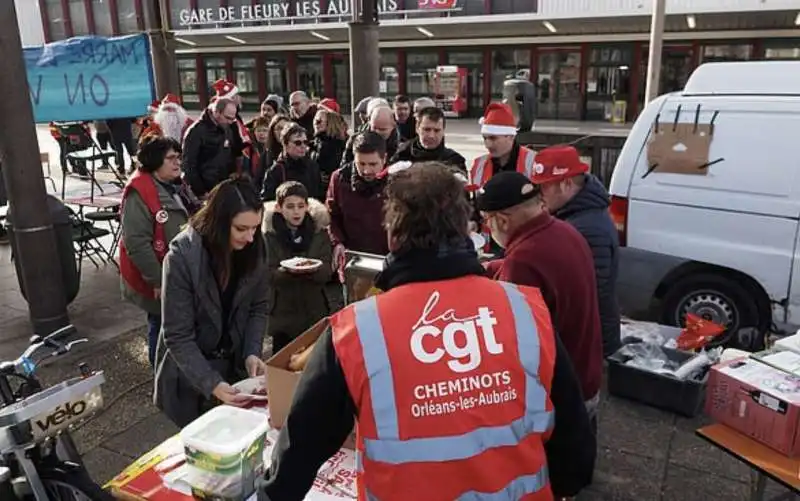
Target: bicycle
x,y
38,459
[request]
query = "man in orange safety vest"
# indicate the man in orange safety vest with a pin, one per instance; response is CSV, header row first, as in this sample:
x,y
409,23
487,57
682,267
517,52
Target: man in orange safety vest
x,y
454,395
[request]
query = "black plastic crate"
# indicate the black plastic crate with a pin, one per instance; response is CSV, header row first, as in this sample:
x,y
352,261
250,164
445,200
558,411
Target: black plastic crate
x,y
665,392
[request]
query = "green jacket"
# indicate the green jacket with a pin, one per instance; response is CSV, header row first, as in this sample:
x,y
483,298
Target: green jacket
x,y
137,234
298,301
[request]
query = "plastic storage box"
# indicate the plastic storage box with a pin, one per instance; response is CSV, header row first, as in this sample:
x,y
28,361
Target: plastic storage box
x,y
224,450
665,392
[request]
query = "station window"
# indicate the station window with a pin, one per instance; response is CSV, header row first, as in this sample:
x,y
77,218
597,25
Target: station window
x,y
782,49
126,13
244,74
513,6
718,53
420,73
277,76
215,70
176,7
390,74
79,17
187,74
507,64
55,20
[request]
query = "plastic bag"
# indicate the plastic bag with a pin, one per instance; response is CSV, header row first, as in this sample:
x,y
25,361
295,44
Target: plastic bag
x,y
647,356
698,333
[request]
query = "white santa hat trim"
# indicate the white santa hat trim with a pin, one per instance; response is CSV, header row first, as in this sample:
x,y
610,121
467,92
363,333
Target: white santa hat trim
x,y
233,93
498,130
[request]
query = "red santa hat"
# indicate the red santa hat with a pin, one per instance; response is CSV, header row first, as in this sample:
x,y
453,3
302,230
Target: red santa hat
x,y
225,89
171,99
498,121
153,107
330,105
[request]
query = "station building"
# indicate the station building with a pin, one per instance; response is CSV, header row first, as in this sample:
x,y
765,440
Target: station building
x,y
584,55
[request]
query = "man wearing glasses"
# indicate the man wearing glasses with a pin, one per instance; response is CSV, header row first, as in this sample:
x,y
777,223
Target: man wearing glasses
x,y
208,154
303,110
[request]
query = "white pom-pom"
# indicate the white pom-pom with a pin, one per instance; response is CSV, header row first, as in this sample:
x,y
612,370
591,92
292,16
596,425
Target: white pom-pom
x,y
480,122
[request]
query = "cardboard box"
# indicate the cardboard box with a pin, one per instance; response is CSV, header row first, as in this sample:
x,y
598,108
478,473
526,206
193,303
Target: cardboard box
x,y
757,400
282,382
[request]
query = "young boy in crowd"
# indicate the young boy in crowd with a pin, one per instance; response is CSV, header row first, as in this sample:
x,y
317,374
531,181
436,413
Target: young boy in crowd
x,y
295,226
261,134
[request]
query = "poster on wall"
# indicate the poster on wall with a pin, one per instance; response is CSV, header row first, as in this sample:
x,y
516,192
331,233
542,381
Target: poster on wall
x,y
90,78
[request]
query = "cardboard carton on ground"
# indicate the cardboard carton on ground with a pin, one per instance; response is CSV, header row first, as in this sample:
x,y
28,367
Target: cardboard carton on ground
x,y
757,400
282,382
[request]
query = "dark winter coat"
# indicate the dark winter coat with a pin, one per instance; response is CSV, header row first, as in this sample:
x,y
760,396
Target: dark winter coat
x,y
208,154
327,151
356,210
297,301
413,151
588,213
303,170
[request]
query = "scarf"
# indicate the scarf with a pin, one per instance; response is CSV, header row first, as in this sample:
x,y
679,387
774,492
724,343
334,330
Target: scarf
x,y
297,240
364,187
446,262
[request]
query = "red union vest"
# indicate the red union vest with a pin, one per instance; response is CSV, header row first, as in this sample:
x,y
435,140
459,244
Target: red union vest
x,y
145,185
482,170
451,387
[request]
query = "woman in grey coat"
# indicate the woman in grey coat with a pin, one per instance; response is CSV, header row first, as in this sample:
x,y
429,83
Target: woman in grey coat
x,y
214,305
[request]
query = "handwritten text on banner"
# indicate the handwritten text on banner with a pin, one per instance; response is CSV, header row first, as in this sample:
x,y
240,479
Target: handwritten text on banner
x,y
90,78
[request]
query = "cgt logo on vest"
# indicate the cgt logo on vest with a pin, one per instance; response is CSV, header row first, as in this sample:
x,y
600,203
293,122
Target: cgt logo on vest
x,y
458,339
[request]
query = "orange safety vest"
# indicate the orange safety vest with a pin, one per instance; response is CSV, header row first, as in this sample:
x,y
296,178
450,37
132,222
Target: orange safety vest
x,y
451,387
481,170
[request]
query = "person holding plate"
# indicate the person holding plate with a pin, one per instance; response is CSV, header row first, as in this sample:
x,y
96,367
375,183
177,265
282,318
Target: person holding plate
x,y
213,305
299,259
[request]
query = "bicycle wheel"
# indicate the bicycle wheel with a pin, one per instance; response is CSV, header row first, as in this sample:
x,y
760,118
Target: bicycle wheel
x,y
72,484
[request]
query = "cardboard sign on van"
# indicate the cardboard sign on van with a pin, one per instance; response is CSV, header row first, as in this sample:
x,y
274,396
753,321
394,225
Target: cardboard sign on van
x,y
680,148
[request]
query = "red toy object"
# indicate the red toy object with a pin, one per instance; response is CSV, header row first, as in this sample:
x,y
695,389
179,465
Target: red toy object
x,y
697,333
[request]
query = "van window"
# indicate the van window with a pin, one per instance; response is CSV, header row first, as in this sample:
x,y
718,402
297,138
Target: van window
x,y
755,150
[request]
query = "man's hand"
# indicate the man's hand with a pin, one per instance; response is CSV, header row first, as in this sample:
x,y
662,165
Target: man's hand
x,y
338,257
229,395
255,366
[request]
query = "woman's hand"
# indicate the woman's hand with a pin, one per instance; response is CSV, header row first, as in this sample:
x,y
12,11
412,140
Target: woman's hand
x,y
229,395
255,366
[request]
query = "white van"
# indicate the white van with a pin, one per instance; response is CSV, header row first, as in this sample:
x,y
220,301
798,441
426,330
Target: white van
x,y
719,239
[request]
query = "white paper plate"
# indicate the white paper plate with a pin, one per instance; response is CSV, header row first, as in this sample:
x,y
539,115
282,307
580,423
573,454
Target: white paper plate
x,y
301,264
478,241
248,387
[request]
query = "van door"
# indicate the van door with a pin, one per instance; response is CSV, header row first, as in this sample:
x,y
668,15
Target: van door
x,y
743,214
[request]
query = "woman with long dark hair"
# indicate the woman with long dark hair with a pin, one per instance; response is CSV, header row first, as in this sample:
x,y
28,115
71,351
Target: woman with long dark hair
x,y
214,305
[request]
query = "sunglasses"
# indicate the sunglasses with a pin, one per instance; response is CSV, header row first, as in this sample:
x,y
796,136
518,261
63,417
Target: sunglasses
x,y
300,142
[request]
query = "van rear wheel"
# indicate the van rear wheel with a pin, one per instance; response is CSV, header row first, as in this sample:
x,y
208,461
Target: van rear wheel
x,y
718,299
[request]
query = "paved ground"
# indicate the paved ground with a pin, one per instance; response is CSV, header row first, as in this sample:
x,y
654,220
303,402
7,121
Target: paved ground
x,y
644,455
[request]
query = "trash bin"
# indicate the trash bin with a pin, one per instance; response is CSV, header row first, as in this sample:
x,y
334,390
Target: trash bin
x,y
520,95
64,244
360,270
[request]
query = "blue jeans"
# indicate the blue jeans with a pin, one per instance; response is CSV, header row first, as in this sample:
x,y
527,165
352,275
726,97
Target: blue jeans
x,y
153,329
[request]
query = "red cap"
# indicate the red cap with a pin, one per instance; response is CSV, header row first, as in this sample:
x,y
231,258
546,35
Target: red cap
x,y
153,107
224,88
330,105
557,163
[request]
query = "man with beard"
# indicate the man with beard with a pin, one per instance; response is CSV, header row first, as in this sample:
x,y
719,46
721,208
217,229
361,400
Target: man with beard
x,y
171,119
429,146
355,199
303,110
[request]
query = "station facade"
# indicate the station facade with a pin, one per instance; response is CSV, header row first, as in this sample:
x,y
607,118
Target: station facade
x,y
584,55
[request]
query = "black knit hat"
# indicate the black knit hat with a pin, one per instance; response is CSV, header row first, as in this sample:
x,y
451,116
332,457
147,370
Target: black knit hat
x,y
505,190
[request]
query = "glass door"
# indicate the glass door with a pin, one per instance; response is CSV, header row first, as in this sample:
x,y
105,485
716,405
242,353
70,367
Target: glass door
x,y
608,79
559,85
473,63
341,81
677,63
309,75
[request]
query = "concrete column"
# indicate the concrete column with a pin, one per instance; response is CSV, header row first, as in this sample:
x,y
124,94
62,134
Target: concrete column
x,y
162,49
656,45
364,61
165,65
35,242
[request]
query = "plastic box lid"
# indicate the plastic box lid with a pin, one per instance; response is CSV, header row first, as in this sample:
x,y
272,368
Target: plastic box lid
x,y
225,430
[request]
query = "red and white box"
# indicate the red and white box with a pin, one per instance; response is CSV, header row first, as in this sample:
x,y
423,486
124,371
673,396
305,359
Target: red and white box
x,y
758,401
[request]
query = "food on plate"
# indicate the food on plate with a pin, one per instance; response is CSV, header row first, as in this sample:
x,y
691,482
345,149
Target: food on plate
x,y
305,263
299,359
260,391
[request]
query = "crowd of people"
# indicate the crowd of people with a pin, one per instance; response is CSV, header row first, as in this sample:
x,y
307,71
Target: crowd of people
x,y
217,204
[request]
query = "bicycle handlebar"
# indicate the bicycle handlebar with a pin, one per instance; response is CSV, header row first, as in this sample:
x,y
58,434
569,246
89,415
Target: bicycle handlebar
x,y
26,365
